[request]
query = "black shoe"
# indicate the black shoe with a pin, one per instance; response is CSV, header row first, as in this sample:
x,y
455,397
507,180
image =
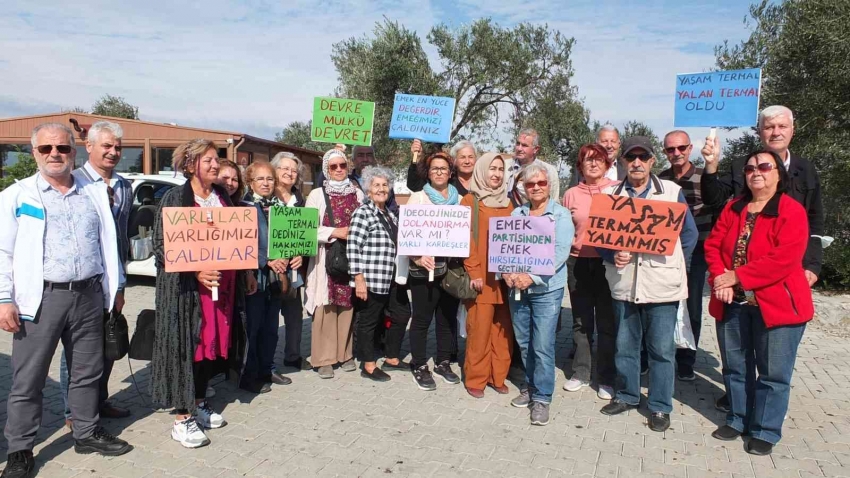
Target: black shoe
x,y
758,447
423,378
20,464
377,375
686,375
402,365
726,433
445,370
254,386
616,407
722,404
107,410
102,442
277,379
658,422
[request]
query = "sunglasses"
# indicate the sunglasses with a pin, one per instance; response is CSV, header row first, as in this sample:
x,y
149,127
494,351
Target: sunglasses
x,y
762,167
543,183
48,148
633,156
673,149
334,167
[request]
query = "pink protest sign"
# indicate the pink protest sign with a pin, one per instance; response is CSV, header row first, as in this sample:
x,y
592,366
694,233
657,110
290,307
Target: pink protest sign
x,y
522,244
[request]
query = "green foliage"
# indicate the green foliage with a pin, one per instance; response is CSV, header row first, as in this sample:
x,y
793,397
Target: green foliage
x,y
114,106
803,48
24,168
75,109
297,133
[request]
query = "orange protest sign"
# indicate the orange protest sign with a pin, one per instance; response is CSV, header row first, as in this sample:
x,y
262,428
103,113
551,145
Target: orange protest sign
x,y
209,239
635,225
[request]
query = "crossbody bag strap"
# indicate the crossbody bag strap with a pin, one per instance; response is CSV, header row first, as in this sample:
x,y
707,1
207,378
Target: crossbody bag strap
x,y
330,209
386,226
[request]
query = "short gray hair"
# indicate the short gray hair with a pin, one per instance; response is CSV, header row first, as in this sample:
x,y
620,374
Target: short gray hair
x,y
462,145
533,169
608,127
774,111
52,127
530,132
279,157
101,126
371,172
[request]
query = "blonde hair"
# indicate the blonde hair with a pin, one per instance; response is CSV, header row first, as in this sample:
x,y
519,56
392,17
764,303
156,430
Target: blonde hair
x,y
189,153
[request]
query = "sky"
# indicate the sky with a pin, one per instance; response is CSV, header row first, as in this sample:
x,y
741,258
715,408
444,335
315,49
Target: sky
x,y
254,66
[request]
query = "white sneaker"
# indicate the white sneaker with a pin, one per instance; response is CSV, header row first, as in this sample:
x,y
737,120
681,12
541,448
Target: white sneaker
x,y
210,392
605,392
574,385
189,434
207,417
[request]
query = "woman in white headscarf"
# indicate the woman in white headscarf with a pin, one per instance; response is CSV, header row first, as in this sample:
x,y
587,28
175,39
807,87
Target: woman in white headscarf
x,y
329,297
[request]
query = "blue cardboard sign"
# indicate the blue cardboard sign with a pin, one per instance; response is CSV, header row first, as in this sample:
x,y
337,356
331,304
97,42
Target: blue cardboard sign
x,y
719,98
427,118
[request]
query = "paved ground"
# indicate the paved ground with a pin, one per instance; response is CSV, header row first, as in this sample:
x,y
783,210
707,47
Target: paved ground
x,y
350,427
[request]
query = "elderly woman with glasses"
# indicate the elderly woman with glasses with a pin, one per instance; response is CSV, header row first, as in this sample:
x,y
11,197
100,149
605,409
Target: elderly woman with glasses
x,y
372,257
329,297
761,300
535,313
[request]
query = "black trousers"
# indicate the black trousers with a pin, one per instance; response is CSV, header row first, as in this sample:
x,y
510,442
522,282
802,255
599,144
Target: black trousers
x,y
430,300
592,310
370,315
202,373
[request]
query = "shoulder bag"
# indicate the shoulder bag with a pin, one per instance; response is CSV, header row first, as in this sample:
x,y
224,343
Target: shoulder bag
x,y
456,281
336,259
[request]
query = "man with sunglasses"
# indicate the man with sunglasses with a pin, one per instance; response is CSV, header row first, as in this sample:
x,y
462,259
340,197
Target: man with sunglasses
x,y
103,143
646,289
59,272
775,130
678,148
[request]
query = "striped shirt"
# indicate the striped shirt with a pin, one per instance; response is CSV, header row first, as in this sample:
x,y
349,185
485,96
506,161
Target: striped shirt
x,y
704,216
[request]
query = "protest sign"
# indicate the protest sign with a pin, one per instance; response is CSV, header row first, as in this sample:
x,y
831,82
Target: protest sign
x,y
437,231
428,118
209,239
720,98
636,225
338,120
293,231
522,244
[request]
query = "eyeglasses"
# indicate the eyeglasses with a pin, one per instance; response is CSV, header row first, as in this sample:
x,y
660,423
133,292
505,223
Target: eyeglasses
x,y
341,166
673,149
531,184
48,148
439,170
595,159
267,180
633,156
762,167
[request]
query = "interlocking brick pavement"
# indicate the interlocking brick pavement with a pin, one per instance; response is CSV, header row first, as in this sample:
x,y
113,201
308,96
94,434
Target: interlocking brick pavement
x,y
348,426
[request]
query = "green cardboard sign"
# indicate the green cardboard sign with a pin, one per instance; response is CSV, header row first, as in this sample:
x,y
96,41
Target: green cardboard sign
x,y
293,231
338,120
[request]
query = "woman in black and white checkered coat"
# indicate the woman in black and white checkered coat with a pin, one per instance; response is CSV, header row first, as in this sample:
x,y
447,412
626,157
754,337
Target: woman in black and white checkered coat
x,y
371,252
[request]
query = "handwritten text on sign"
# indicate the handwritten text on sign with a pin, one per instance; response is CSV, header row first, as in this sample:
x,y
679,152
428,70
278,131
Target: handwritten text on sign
x,y
522,244
636,225
721,98
437,231
293,231
338,120
428,118
209,239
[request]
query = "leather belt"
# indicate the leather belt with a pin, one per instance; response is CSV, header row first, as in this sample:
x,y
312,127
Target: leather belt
x,y
76,285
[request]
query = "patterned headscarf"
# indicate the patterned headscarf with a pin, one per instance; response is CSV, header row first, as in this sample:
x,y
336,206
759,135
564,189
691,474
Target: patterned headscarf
x,y
335,188
480,184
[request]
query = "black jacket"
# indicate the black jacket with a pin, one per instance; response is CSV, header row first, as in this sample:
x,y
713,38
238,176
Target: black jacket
x,y
804,188
415,182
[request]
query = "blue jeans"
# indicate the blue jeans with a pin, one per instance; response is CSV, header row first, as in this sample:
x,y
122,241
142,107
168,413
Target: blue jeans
x,y
655,324
685,358
747,346
263,309
535,318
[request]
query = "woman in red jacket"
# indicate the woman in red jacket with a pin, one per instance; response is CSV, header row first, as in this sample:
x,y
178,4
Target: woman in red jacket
x,y
761,300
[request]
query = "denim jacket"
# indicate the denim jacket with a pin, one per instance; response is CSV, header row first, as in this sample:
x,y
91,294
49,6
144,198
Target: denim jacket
x,y
564,232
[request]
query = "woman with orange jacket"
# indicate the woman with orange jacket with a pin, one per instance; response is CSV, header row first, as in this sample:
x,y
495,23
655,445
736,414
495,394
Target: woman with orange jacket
x,y
489,341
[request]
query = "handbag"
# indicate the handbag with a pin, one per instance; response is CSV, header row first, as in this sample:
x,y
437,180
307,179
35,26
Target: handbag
x,y
684,334
336,259
456,282
141,347
116,339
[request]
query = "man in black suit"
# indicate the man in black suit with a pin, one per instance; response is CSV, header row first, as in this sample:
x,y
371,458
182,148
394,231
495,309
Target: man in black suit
x,y
775,129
